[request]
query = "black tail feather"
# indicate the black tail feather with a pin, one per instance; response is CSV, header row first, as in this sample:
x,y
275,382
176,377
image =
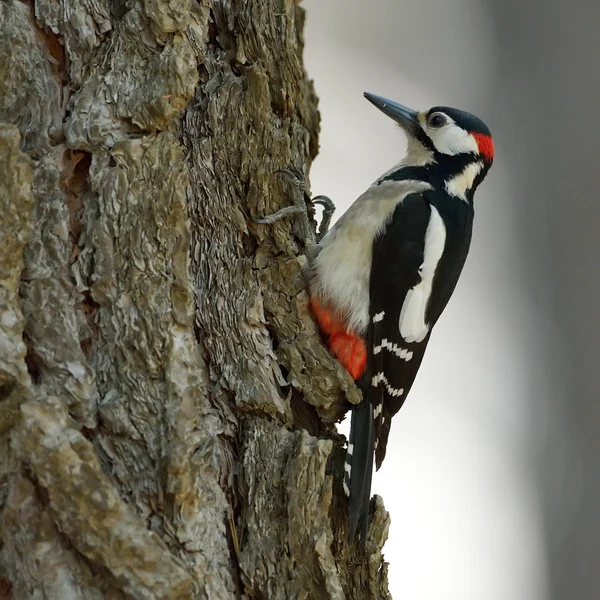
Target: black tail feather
x,y
359,468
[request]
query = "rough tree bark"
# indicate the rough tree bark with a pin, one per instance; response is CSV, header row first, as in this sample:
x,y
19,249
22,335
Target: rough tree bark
x,y
167,410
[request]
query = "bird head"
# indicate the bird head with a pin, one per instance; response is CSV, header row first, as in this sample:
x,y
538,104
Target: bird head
x,y
450,141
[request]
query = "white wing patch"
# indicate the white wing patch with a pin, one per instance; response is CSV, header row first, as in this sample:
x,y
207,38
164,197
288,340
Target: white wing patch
x,y
412,325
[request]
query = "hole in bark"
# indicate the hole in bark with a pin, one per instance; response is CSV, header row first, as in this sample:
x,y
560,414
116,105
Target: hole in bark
x,y
33,364
88,433
41,493
274,338
81,168
119,8
306,416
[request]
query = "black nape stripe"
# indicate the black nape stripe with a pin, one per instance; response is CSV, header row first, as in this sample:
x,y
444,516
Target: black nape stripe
x,y
407,173
435,173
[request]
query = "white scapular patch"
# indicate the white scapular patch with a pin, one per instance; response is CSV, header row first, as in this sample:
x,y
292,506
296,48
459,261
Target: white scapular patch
x,y
394,348
381,378
460,184
378,317
412,325
342,267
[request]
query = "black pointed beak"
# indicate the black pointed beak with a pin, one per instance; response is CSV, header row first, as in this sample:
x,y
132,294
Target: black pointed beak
x,y
405,117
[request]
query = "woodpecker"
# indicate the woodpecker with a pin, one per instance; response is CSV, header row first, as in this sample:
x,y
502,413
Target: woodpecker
x,y
384,273
381,277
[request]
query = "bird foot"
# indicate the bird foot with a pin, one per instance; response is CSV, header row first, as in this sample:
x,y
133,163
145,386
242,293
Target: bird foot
x,y
328,209
303,207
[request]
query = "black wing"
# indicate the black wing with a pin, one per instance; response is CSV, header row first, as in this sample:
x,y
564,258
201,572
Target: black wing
x,y
393,361
397,257
398,253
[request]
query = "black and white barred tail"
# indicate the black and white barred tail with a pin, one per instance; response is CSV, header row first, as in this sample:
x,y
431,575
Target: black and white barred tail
x,y
358,469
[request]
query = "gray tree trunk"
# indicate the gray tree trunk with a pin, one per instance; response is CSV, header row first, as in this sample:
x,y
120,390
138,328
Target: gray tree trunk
x,y
166,407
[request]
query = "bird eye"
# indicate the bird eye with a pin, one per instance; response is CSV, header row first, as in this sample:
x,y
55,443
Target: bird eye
x,y
436,120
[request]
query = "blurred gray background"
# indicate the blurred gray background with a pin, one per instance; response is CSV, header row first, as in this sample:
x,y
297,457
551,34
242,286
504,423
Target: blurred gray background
x,y
492,476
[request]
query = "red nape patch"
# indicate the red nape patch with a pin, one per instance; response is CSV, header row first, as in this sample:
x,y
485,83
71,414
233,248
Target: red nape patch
x,y
486,145
349,348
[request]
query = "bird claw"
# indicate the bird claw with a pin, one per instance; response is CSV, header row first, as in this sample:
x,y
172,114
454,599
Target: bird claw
x,y
328,210
288,211
302,201
296,176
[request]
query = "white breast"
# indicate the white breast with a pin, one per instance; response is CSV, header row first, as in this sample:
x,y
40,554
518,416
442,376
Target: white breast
x,y
412,324
342,267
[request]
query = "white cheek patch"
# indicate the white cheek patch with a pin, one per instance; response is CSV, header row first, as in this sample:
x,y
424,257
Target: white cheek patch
x,y
453,139
460,184
412,323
